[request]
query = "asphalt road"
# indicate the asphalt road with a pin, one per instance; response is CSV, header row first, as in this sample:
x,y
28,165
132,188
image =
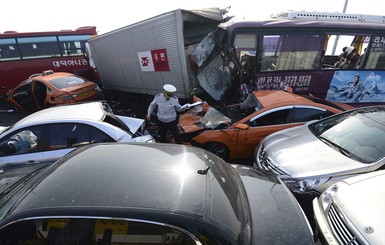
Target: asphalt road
x,y
8,116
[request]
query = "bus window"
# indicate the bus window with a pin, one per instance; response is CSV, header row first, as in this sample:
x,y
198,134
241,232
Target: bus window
x,y
8,49
38,47
269,52
344,51
246,46
291,52
376,57
73,45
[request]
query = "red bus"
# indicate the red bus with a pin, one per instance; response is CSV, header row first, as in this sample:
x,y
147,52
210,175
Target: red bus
x,y
24,54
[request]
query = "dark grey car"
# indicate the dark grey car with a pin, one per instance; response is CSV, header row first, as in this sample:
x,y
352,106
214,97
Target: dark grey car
x,y
129,193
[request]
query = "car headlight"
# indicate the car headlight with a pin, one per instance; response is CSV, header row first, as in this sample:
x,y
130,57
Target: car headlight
x,y
304,185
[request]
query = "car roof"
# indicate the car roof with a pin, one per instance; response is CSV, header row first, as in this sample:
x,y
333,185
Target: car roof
x,y
170,178
50,76
273,98
93,111
177,185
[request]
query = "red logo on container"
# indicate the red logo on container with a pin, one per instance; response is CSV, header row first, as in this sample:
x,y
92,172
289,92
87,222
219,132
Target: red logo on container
x,y
160,60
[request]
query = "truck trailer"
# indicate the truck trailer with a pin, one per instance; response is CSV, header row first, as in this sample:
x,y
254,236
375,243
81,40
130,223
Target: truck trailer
x,y
142,57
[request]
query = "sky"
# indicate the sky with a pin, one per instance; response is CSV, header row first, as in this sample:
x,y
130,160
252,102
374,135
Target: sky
x,y
48,15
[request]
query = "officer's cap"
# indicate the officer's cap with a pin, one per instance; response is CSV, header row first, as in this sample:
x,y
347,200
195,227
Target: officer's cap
x,y
169,89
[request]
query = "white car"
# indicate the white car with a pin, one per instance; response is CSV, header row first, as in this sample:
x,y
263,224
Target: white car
x,y
352,211
312,157
47,135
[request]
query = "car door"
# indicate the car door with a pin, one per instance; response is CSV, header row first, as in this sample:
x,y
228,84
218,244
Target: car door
x,y
40,93
23,98
260,126
23,146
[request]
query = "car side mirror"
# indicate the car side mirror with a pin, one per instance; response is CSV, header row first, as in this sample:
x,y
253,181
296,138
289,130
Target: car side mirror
x,y
241,126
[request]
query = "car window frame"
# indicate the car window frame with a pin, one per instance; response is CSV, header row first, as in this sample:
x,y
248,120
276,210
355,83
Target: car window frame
x,y
40,141
273,110
89,126
292,117
57,225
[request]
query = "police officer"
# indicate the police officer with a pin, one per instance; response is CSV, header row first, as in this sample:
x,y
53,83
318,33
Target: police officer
x,y
168,106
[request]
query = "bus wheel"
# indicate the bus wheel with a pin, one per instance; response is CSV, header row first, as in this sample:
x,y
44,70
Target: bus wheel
x,y
219,149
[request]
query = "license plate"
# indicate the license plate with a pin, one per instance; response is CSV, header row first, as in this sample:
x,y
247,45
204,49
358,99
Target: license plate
x,y
87,93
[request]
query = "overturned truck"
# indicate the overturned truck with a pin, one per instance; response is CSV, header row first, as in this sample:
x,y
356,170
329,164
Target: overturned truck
x,y
177,47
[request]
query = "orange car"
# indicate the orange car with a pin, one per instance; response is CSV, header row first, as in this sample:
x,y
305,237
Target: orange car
x,y
233,132
48,89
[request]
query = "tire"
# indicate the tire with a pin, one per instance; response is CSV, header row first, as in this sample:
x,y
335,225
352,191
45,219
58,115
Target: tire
x,y
219,149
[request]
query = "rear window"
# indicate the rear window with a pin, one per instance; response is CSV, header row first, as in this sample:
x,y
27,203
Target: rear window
x,y
68,81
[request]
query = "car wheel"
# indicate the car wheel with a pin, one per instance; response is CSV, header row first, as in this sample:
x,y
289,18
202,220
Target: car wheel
x,y
219,149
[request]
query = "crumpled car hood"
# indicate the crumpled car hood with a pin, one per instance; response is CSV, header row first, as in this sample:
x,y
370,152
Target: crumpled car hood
x,y
133,123
202,117
301,154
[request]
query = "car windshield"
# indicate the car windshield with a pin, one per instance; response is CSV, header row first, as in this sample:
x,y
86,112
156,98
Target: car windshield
x,y
67,81
239,111
251,102
359,135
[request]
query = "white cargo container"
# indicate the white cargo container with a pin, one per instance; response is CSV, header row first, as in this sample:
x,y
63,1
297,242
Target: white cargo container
x,y
142,57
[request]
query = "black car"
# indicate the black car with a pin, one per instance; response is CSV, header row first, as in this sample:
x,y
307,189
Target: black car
x,y
138,193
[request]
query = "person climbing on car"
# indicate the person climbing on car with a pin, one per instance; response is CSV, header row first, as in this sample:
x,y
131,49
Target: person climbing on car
x,y
168,107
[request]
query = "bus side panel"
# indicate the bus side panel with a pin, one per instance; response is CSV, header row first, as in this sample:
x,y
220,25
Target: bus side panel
x,y
14,72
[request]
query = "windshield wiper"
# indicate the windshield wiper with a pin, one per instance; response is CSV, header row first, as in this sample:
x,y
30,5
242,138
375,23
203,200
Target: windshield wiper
x,y
334,145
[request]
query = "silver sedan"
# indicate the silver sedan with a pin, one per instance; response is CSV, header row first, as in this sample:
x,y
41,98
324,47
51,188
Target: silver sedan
x,y
47,135
312,157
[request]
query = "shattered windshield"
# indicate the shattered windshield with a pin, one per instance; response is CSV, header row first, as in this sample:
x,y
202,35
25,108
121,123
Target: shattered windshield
x,y
251,102
213,118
